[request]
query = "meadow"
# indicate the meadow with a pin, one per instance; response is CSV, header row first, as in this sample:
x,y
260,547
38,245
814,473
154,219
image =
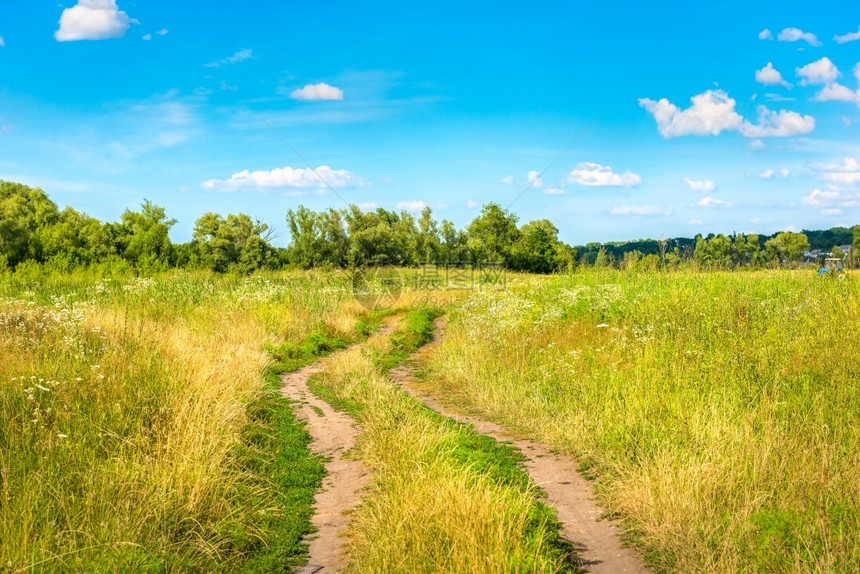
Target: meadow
x,y
716,412
142,426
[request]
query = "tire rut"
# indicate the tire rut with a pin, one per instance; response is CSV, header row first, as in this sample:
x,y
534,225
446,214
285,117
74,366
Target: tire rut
x,y
597,542
333,434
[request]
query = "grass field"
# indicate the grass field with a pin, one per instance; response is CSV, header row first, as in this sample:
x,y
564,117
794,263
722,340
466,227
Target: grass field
x,y
142,424
143,428
719,411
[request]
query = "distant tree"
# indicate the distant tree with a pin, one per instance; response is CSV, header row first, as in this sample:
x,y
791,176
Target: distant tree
x,y
837,252
23,212
535,250
603,259
235,243
491,235
142,236
428,242
77,239
787,246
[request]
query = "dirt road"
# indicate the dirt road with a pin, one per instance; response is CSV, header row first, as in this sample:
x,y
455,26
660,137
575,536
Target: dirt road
x,y
597,542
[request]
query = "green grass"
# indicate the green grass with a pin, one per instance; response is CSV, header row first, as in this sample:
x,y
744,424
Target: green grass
x,y
718,412
417,455
142,426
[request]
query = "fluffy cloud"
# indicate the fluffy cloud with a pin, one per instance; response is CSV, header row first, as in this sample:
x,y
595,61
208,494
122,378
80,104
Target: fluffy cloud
x,y
818,197
411,205
845,173
765,35
777,124
638,210
711,202
596,175
93,20
796,34
849,37
508,180
837,92
287,177
315,92
162,32
713,112
240,56
770,76
706,185
553,191
773,173
534,179
822,71
756,145
471,204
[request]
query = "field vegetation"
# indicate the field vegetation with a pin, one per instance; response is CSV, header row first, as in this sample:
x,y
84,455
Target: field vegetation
x,y
142,424
718,412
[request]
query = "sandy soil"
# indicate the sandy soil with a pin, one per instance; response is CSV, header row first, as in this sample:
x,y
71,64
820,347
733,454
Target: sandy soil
x,y
597,542
333,434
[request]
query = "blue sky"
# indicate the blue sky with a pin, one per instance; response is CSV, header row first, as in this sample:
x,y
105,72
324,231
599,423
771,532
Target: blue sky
x,y
710,117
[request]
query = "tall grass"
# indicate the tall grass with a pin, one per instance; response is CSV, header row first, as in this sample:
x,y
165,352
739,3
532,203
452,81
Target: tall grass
x,y
720,411
139,431
445,499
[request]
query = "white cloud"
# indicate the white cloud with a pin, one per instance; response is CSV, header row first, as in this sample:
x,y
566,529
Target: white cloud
x,y
553,191
847,121
712,112
508,180
831,211
147,37
819,197
534,179
821,71
638,210
315,92
2,42
411,205
240,56
163,32
846,173
471,204
796,34
93,20
711,202
756,145
773,173
695,222
849,37
765,35
770,76
705,185
299,178
367,205
783,123
837,92
857,72
778,97
596,175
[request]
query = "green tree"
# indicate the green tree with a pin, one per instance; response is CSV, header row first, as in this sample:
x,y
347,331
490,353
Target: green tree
x,y
787,247
142,236
23,212
235,243
491,235
536,248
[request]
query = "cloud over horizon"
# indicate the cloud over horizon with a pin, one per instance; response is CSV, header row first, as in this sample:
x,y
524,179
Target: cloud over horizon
x,y
287,177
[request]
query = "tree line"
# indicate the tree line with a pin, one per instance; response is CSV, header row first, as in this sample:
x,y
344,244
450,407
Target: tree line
x,y
33,229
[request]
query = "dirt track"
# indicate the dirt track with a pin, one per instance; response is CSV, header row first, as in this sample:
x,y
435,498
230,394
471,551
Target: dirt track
x,y
597,542
333,435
